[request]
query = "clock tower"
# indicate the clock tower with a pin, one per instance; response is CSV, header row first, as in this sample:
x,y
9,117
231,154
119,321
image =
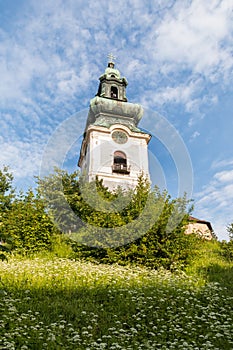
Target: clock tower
x,y
114,148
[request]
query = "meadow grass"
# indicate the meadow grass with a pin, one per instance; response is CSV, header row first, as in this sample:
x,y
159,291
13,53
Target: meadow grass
x,y
59,303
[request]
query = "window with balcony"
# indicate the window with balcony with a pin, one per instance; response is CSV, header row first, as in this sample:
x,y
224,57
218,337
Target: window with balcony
x,y
120,163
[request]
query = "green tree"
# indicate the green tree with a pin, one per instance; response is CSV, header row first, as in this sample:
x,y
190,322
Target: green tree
x,y
7,191
61,194
141,226
227,247
27,224
165,243
230,231
7,195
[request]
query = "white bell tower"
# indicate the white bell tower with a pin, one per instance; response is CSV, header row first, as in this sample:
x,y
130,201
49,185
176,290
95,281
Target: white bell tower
x,y
114,148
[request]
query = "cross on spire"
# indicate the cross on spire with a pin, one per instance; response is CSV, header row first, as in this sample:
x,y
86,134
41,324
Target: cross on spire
x,y
111,58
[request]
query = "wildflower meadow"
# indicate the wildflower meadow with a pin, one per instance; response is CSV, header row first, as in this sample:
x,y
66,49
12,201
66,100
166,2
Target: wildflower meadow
x,y
163,290
50,303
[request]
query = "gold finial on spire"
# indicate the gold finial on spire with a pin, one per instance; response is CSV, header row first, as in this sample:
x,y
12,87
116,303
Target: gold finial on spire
x,y
111,60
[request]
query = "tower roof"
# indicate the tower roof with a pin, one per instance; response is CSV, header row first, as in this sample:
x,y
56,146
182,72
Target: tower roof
x,y
112,85
111,71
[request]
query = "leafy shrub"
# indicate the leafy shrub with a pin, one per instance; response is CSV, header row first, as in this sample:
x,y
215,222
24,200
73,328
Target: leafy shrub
x,y
138,227
27,225
227,250
227,247
7,195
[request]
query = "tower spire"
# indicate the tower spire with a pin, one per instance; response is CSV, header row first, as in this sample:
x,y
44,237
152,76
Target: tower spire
x,y
113,147
111,59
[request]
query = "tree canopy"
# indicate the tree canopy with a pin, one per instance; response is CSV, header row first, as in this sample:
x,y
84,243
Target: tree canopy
x,y
136,226
141,225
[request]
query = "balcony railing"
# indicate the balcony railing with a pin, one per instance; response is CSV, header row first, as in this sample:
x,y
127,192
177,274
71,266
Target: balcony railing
x,y
120,168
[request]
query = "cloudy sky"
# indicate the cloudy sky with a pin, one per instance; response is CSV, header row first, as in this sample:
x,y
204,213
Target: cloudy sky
x,y
178,59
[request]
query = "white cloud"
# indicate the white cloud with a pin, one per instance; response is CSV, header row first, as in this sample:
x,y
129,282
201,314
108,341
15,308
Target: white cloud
x,y
221,163
224,176
194,36
187,94
22,158
190,49
214,202
50,63
194,135
60,38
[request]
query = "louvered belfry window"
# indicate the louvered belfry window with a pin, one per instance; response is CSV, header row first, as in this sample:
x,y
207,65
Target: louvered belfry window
x,y
114,92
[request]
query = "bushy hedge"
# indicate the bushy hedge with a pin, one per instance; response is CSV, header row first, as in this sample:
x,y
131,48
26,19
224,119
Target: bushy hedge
x,y
140,226
143,226
227,250
24,223
27,225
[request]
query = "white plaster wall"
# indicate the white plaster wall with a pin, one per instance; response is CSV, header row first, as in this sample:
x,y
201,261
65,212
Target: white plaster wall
x,y
100,158
200,228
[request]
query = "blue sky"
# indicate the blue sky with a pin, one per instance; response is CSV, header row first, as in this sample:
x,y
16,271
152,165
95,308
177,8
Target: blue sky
x,y
178,59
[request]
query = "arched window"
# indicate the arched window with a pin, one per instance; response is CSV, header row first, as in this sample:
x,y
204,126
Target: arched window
x,y
120,158
120,163
114,92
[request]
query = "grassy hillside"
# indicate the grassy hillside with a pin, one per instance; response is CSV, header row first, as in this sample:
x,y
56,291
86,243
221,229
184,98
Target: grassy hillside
x,y
59,303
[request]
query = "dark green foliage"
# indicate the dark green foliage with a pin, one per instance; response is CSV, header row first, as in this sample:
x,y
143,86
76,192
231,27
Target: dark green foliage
x,y
227,250
141,226
59,191
7,195
24,223
114,219
227,247
230,231
7,192
28,225
163,244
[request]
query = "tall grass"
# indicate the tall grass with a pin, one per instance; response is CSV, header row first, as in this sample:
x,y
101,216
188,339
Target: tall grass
x,y
211,266
59,303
